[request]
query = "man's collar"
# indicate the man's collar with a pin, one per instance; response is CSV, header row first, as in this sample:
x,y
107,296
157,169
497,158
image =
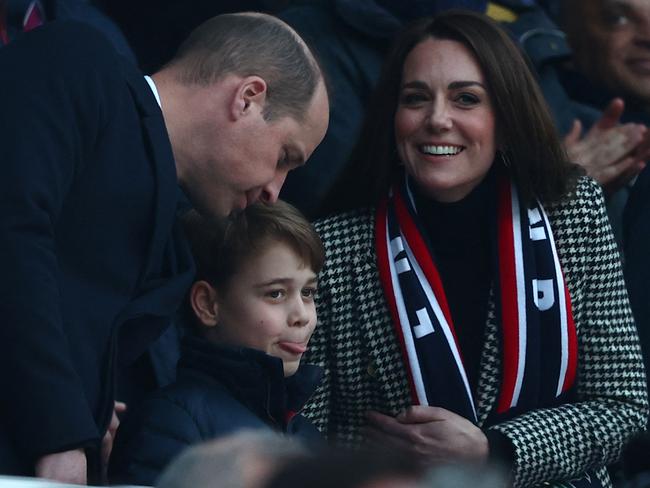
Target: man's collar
x,y
152,85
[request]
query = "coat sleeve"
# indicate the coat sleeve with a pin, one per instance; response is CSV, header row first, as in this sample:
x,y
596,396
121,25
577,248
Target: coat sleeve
x,y
612,405
51,111
150,440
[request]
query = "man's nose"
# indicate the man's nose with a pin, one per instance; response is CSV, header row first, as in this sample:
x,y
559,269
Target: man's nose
x,y
271,190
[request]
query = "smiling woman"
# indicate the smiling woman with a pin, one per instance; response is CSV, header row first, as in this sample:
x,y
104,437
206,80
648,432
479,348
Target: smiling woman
x,y
472,306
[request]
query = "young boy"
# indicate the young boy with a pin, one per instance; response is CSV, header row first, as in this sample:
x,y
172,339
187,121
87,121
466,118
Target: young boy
x,y
252,308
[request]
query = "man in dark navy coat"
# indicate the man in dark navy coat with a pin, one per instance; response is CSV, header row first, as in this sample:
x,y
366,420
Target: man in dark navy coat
x,y
94,159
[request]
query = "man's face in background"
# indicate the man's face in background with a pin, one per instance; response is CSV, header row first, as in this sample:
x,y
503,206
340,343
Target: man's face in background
x,y
611,41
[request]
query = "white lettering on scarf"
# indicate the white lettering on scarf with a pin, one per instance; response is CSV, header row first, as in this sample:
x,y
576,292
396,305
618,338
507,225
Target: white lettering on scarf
x,y
543,294
396,247
424,326
536,233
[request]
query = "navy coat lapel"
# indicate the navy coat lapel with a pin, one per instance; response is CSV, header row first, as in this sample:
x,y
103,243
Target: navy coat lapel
x,y
169,268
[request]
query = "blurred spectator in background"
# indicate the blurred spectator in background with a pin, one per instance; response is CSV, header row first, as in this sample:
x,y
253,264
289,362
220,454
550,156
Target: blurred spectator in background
x,y
611,72
23,15
465,476
596,80
244,460
351,469
611,43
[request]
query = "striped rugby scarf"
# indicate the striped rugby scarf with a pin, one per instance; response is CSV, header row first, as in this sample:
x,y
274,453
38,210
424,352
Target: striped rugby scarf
x,y
538,334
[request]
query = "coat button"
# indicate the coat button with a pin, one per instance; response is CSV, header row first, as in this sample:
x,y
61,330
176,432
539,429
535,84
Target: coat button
x,y
372,369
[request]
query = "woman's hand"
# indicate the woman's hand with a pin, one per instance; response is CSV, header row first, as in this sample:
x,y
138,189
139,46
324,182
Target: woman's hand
x,y
434,434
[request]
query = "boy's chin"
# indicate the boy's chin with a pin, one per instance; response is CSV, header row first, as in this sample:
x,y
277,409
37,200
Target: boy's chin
x,y
290,368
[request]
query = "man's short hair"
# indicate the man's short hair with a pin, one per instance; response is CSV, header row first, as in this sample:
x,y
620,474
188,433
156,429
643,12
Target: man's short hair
x,y
219,251
247,44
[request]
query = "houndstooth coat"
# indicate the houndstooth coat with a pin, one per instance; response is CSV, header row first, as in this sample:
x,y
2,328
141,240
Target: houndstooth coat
x,y
356,343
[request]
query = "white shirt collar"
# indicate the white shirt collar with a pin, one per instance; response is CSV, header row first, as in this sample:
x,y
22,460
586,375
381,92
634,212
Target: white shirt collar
x,y
152,85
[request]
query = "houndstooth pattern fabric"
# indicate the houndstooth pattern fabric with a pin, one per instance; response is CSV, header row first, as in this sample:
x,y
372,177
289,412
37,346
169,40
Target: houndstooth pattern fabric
x,y
356,344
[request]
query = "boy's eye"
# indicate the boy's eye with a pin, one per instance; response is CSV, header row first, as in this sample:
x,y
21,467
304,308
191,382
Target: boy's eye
x,y
275,294
309,292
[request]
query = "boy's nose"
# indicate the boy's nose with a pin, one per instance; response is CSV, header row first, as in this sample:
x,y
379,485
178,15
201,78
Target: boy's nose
x,y
299,314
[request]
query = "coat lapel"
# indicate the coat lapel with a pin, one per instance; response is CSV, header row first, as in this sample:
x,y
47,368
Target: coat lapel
x,y
169,267
490,367
383,360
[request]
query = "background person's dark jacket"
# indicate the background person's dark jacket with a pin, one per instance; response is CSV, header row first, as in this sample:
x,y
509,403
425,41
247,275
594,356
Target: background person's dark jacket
x,y
92,260
218,391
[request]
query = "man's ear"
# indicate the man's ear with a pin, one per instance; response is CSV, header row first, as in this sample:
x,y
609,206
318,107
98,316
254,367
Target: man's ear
x,y
249,96
203,299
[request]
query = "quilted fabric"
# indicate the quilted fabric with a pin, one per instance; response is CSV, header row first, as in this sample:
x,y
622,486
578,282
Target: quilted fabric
x,y
356,344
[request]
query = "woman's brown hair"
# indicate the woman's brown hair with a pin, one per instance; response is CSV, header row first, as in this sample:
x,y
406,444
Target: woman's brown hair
x,y
527,136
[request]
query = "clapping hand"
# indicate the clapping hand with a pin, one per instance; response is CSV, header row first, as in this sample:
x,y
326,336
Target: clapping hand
x,y
611,153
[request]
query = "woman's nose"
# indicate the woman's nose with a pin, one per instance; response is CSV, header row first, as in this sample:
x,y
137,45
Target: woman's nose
x,y
439,118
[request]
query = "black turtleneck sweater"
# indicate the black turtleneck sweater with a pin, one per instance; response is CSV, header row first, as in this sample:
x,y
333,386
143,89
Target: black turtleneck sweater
x,y
461,236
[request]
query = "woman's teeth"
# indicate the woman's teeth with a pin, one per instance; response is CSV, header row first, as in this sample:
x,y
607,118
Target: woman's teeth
x,y
441,150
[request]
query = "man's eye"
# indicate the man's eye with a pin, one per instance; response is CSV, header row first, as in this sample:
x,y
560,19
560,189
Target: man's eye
x,y
615,19
284,160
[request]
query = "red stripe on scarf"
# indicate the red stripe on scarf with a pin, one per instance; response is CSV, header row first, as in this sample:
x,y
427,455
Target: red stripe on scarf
x,y
509,306
421,251
572,365
381,247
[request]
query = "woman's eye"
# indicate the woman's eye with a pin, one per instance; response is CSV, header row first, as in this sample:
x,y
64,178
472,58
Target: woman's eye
x,y
467,99
412,98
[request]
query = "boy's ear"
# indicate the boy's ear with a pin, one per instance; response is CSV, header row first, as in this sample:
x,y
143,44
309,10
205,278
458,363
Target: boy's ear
x,y
249,96
203,299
